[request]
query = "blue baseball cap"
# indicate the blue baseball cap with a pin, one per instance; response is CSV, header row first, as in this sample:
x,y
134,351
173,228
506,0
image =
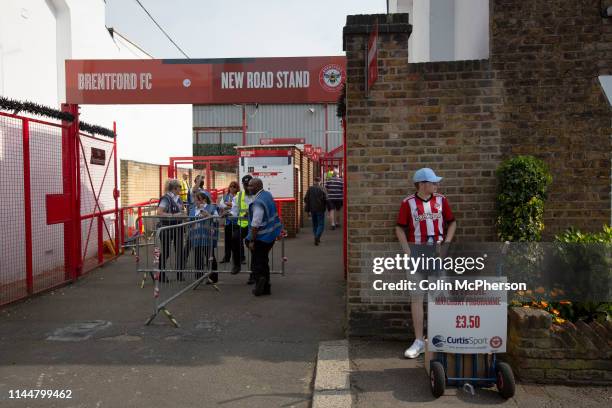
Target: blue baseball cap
x,y
425,174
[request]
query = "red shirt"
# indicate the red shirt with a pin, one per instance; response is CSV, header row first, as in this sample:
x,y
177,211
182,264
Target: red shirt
x,y
423,219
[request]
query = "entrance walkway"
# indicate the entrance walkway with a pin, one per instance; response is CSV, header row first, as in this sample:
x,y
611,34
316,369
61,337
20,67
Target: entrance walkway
x,y
232,350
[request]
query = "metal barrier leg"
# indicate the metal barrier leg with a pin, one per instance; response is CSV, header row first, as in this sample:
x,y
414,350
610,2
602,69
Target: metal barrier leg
x,y
283,260
170,317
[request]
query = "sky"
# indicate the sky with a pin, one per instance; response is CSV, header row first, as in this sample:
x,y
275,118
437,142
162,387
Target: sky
x,y
238,28
221,29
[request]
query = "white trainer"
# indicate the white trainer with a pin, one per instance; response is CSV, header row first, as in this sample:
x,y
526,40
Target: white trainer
x,y
417,348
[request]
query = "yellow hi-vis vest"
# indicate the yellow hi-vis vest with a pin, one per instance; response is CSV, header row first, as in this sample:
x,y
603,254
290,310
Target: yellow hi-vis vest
x,y
243,210
184,191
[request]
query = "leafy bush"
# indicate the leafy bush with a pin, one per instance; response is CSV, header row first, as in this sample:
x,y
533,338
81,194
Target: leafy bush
x,y
522,185
584,267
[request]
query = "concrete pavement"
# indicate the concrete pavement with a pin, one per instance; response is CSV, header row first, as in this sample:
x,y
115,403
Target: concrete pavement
x,y
382,378
232,349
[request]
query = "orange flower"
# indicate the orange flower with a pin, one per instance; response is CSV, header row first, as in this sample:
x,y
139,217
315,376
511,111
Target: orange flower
x,y
544,304
559,320
540,290
555,311
565,302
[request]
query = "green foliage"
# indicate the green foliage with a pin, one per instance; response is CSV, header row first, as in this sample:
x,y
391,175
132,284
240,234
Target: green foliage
x,y
589,257
523,182
572,235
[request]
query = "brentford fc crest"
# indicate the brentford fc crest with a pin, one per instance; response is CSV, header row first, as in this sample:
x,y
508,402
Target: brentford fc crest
x,y
331,77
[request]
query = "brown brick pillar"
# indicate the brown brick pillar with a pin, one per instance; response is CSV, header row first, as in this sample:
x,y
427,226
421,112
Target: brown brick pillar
x,y
368,122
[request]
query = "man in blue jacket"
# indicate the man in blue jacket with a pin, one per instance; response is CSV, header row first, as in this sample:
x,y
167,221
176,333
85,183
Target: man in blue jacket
x,y
264,227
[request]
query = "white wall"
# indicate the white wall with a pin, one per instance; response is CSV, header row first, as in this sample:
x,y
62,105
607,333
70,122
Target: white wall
x,y
35,38
446,30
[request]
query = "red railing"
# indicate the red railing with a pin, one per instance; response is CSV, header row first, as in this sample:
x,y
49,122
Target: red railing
x,y
53,162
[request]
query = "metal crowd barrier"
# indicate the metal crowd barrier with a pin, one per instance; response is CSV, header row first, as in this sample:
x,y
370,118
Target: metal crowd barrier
x,y
181,258
178,253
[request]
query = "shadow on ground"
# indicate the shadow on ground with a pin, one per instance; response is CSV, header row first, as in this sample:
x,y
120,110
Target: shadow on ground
x,y
232,349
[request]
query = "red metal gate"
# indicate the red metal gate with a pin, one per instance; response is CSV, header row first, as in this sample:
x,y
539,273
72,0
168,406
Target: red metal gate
x,y
47,181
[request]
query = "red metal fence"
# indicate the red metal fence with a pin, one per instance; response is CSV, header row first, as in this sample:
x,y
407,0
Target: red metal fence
x,y
60,214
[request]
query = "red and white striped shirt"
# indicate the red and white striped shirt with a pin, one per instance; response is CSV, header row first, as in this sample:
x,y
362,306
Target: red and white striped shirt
x,y
424,219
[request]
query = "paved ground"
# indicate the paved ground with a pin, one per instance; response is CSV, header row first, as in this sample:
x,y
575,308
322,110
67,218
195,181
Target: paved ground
x,y
232,350
382,378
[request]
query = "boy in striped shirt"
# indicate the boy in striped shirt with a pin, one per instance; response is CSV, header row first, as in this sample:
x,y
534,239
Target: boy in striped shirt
x,y
425,219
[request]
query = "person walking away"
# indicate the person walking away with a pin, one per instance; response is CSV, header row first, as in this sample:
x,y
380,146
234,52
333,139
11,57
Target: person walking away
x,y
315,202
225,205
264,227
204,236
192,191
425,220
240,212
335,195
168,208
184,193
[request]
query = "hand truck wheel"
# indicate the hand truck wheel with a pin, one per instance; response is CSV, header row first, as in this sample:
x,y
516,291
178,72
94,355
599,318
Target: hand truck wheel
x,y
505,380
437,379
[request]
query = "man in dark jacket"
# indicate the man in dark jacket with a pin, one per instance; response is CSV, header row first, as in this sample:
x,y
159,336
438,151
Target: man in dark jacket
x,y
315,202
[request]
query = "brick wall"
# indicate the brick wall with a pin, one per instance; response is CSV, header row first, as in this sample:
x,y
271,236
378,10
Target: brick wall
x,y
569,353
538,94
548,55
139,182
142,181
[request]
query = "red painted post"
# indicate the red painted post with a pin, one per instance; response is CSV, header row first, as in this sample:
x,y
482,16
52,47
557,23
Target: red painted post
x,y
208,176
77,201
100,239
71,187
140,227
116,191
121,229
279,209
27,195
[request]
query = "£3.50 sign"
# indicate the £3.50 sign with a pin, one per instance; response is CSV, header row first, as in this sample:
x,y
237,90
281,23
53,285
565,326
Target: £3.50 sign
x,y
468,321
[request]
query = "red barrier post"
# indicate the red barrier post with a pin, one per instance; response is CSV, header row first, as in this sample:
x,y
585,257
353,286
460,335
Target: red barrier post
x,y
100,239
140,227
72,188
121,229
116,191
27,195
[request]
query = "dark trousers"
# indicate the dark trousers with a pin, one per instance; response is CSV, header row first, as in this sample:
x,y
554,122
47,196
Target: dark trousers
x,y
260,262
318,223
204,257
227,254
238,236
168,238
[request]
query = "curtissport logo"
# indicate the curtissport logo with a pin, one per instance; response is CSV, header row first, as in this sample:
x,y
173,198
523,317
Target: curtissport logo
x,y
472,341
438,341
496,342
331,77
